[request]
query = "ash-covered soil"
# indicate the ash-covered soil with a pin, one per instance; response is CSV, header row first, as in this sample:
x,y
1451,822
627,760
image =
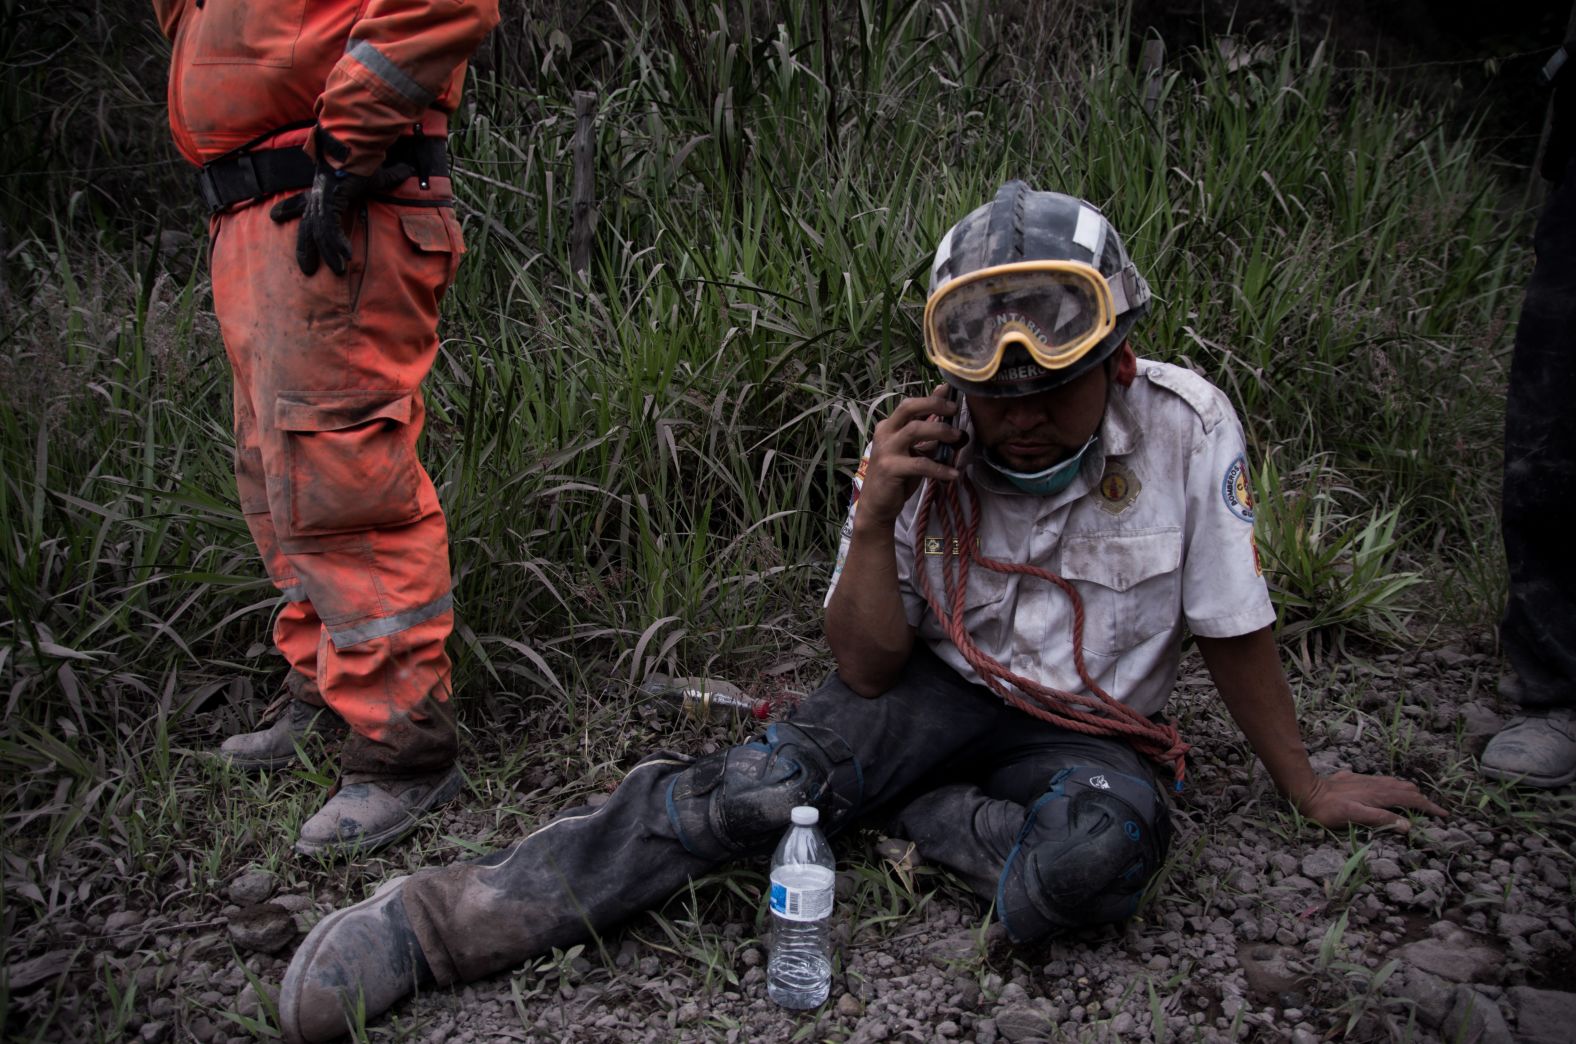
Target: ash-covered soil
x,y
1263,928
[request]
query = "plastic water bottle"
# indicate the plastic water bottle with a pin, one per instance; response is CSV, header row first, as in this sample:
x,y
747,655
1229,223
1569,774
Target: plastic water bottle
x,y
704,699
799,970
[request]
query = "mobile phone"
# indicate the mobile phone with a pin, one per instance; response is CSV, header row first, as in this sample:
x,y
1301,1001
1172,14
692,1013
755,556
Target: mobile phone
x,y
945,450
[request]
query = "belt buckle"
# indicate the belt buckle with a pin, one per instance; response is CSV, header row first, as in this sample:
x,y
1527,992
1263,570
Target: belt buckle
x,y
253,189
209,191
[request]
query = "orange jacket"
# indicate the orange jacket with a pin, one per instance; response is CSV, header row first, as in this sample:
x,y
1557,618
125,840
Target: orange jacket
x,y
365,70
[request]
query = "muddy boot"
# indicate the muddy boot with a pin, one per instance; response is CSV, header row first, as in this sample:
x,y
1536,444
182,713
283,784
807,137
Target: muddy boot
x,y
357,961
1537,749
363,817
275,746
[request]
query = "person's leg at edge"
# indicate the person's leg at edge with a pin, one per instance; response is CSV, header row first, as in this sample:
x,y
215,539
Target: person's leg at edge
x,y
1064,831
1538,630
670,819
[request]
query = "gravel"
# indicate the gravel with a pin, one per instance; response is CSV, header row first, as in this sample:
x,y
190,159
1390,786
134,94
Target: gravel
x,y
1261,930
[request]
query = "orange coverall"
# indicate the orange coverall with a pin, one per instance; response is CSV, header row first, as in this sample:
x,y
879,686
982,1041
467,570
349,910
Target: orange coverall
x,y
328,369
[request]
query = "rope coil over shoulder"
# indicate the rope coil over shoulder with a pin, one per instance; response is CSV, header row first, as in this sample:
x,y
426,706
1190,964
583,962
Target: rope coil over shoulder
x,y
1095,715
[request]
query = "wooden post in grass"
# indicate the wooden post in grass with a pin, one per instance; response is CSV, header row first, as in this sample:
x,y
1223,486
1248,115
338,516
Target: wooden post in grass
x,y
582,215
1154,56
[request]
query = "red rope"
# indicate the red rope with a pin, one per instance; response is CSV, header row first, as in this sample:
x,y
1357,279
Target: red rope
x,y
1069,710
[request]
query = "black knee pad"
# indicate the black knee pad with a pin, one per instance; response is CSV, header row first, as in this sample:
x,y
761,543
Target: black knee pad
x,y
738,801
1087,849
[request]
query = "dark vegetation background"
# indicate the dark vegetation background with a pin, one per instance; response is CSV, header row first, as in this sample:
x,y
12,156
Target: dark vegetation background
x,y
645,468
84,83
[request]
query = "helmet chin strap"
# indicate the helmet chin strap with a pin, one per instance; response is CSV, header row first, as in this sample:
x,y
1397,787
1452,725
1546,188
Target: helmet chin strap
x,y
1047,481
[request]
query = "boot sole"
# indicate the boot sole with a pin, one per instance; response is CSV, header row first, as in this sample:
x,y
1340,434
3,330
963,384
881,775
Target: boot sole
x,y
1529,779
366,844
290,988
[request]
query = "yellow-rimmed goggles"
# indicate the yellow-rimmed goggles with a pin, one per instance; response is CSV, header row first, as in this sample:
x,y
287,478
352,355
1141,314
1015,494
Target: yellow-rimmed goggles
x,y
1055,310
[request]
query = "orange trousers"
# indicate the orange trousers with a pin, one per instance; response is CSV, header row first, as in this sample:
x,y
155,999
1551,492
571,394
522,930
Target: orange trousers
x,y
328,408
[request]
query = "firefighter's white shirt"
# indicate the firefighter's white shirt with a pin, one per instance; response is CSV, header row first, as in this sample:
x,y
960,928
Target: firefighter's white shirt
x,y
1155,533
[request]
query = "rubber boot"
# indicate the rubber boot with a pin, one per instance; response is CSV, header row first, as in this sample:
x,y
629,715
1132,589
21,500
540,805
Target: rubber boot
x,y
356,962
365,816
275,747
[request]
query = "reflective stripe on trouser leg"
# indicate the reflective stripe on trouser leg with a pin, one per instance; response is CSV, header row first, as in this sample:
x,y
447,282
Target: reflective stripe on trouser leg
x,y
382,664
332,368
573,879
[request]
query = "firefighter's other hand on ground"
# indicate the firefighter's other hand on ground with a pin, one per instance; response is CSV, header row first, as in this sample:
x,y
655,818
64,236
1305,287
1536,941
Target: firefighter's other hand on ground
x,y
1347,798
901,454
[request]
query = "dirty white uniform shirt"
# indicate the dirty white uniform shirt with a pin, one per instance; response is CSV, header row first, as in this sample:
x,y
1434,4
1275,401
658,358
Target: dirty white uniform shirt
x,y
1155,533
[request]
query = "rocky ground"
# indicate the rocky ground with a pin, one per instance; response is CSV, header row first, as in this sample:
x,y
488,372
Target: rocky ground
x,y
1262,928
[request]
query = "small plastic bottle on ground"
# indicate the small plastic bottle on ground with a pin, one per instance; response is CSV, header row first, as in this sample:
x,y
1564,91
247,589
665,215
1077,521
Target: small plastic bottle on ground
x,y
704,699
799,970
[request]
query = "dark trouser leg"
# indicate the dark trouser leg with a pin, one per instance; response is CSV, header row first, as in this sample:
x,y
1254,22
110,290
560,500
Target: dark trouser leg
x,y
576,876
671,819
1539,627
1064,830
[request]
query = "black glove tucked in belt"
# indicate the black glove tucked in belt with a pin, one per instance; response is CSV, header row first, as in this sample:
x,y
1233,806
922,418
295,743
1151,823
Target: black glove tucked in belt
x,y
322,208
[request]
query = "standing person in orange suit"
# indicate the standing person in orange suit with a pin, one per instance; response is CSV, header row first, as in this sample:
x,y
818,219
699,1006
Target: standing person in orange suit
x,y
320,129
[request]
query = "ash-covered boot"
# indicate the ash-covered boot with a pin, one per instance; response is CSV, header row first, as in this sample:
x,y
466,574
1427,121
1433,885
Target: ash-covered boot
x,y
1537,749
359,961
367,815
275,746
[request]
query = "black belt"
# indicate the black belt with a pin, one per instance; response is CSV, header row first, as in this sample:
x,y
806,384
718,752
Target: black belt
x,y
255,175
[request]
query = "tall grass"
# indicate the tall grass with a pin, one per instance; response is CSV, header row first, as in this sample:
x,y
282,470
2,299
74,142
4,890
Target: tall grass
x,y
647,466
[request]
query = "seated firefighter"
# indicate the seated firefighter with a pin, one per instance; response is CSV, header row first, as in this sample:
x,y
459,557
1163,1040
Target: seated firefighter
x,y
1007,626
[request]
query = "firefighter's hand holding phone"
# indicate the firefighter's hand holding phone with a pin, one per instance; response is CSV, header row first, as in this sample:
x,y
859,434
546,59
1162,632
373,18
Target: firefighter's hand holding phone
x,y
944,450
919,440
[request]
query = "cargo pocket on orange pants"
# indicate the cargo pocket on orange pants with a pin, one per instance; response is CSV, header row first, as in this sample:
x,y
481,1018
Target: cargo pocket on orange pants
x,y
435,232
350,461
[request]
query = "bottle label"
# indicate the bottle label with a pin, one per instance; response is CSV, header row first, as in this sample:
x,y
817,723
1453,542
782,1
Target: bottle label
x,y
802,893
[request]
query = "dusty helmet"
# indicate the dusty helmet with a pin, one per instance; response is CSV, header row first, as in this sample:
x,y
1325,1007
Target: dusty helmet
x,y
1029,292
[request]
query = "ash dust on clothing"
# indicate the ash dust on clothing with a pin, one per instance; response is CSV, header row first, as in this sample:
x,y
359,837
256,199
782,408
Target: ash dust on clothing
x,y
364,70
968,774
328,411
1155,533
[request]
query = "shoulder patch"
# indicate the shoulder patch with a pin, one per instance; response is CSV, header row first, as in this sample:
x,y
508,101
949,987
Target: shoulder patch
x,y
1237,493
1190,388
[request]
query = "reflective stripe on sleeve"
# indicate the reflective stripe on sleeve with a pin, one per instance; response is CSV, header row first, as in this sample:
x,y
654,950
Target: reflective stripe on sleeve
x,y
380,66
355,634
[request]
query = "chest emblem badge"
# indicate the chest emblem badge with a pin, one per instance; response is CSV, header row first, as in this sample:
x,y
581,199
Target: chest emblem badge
x,y
1118,487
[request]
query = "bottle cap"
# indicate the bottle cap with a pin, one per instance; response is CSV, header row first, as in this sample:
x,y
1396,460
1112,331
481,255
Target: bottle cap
x,y
806,815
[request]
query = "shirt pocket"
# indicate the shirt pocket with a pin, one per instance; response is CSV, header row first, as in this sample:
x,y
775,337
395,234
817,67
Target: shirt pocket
x,y
247,32
983,617
988,625
1130,582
